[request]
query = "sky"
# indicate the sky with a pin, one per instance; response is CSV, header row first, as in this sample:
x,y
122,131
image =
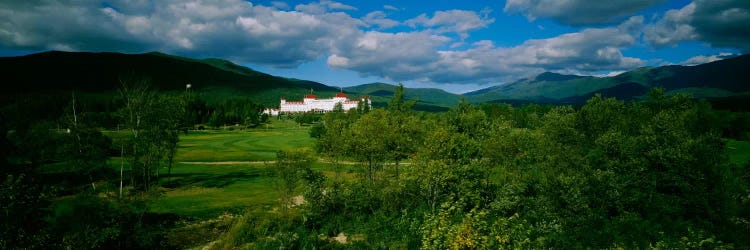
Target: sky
x,y
457,46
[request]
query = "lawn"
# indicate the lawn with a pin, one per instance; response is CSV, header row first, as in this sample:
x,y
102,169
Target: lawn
x,y
206,190
248,145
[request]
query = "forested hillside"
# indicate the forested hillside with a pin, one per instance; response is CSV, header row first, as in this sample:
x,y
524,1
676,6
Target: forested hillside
x,y
57,72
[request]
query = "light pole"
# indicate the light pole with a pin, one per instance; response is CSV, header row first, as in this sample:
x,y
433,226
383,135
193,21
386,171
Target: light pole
x,y
187,107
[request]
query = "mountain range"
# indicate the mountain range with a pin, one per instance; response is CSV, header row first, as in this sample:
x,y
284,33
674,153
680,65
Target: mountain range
x,y
217,78
728,77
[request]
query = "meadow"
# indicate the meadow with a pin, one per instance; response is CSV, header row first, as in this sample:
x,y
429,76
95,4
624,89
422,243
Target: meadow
x,y
229,171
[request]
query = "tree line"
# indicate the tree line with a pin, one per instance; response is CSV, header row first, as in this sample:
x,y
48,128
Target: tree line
x,y
652,173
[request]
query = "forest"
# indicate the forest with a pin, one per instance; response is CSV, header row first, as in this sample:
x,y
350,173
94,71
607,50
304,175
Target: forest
x,y
655,172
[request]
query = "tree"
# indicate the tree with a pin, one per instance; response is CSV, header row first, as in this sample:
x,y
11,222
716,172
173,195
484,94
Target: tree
x,y
154,123
137,98
290,169
398,103
85,151
84,148
404,136
367,143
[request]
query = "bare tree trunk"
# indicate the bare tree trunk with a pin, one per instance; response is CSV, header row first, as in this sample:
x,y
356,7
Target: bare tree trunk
x,y
122,165
91,179
75,118
169,170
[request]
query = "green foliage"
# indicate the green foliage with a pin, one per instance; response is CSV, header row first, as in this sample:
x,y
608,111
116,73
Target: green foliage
x,y
653,173
85,149
397,103
290,168
23,206
153,122
610,174
234,111
306,118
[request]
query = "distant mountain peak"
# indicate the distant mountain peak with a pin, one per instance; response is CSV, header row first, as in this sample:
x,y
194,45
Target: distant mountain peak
x,y
553,77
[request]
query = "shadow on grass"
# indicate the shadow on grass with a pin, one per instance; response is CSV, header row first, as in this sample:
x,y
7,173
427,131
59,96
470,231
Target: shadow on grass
x,y
210,180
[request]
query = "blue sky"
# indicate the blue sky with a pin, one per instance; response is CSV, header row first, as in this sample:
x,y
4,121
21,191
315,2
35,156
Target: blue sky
x,y
458,46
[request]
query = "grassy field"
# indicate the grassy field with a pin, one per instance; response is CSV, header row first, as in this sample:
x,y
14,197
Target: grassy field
x,y
207,191
247,145
739,151
201,188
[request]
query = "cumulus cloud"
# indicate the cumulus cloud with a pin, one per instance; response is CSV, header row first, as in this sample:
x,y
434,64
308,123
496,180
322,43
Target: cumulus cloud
x,y
590,50
379,18
280,5
232,29
701,59
269,35
398,56
722,23
322,7
584,52
577,12
460,22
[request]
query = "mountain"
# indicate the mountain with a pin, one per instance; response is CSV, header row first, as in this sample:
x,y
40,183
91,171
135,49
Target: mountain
x,y
426,96
728,77
56,72
544,86
102,72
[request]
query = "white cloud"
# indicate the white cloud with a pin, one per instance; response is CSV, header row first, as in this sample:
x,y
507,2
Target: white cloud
x,y
232,29
395,56
584,52
379,18
721,23
577,12
390,7
701,59
460,22
280,5
245,33
588,51
673,28
322,7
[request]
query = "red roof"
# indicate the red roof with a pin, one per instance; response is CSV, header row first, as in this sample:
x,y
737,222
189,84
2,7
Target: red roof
x,y
311,96
341,95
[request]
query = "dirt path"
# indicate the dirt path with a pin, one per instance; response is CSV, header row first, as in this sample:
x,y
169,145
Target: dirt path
x,y
227,162
271,162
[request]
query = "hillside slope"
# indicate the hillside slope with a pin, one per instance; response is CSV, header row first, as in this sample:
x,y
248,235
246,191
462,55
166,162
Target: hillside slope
x,y
427,96
716,79
101,72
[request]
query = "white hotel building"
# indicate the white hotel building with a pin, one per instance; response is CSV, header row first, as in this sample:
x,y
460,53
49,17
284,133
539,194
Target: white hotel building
x,y
311,103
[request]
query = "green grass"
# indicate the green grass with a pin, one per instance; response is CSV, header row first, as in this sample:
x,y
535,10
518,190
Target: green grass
x,y
739,151
208,190
253,145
